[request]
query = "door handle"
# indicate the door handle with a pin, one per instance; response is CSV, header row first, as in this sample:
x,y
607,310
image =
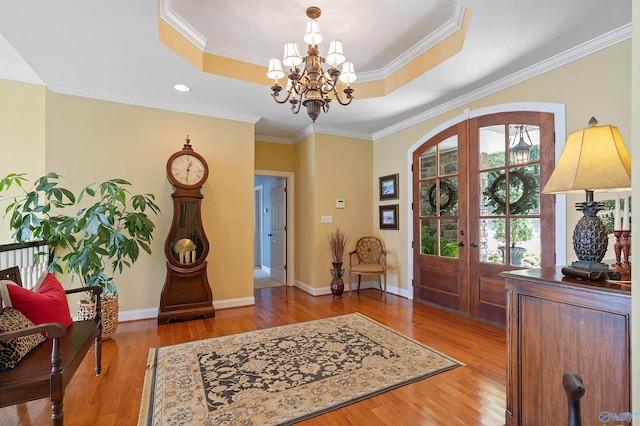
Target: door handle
x,y
474,244
268,235
461,244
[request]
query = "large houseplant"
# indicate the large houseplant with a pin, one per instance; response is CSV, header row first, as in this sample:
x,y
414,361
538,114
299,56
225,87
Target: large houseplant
x,y
92,235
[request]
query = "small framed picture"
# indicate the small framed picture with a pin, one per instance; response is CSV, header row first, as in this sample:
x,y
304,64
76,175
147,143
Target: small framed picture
x,y
389,217
389,187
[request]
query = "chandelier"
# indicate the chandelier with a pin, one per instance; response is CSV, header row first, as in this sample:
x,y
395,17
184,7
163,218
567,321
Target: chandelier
x,y
312,85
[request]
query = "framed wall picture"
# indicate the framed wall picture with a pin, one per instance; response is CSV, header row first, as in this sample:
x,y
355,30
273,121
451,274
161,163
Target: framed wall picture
x,y
389,187
389,217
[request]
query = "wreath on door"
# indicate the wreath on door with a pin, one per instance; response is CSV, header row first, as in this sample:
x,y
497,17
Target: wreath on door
x,y
448,194
523,193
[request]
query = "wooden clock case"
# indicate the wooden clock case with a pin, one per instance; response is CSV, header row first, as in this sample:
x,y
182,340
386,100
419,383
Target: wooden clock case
x,y
186,293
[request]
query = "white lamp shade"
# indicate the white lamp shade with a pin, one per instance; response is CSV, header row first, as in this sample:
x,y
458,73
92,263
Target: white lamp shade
x,y
313,36
348,74
291,55
335,56
275,69
594,158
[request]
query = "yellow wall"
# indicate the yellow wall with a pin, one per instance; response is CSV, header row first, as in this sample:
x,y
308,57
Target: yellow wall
x,y
304,207
65,133
329,168
22,134
589,86
89,141
274,156
343,171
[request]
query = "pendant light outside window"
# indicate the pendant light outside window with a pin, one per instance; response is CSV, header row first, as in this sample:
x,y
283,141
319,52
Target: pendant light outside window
x,y
521,151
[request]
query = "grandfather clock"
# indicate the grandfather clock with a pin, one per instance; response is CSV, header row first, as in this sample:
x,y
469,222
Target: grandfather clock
x,y
186,293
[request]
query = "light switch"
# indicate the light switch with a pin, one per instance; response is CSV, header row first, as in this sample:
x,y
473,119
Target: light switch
x,y
340,203
326,219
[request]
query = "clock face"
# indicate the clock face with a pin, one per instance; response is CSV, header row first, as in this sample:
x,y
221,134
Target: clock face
x,y
188,169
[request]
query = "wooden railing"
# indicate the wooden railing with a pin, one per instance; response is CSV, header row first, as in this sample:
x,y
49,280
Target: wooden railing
x,y
25,256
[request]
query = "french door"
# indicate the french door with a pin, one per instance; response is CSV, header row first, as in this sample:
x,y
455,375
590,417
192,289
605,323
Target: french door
x,y
478,211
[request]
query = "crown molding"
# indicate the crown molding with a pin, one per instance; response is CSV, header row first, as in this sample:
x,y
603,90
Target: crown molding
x,y
14,67
587,48
132,100
314,128
445,30
341,132
172,18
273,139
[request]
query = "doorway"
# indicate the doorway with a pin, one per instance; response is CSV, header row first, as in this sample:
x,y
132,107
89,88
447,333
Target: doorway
x,y
273,229
478,210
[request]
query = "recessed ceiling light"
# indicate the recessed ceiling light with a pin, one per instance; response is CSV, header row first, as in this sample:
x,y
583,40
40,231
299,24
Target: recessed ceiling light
x,y
182,87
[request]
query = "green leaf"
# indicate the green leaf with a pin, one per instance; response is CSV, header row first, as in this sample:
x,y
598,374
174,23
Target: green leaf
x,y
145,246
104,229
69,196
103,219
24,233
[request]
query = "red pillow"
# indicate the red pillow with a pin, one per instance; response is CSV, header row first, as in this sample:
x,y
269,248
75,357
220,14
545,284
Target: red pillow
x,y
47,302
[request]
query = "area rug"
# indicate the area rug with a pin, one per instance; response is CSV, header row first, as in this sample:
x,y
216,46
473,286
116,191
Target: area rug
x,y
281,375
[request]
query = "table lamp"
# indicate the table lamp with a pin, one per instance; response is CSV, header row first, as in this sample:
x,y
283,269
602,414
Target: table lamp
x,y
593,159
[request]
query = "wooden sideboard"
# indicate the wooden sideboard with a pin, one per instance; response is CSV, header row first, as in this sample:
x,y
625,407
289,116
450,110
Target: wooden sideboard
x,y
556,325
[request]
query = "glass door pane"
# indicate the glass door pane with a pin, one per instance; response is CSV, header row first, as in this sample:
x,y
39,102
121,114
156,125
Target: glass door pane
x,y
509,178
438,191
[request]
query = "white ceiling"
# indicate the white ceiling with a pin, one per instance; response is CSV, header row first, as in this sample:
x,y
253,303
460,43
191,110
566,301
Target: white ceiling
x,y
109,49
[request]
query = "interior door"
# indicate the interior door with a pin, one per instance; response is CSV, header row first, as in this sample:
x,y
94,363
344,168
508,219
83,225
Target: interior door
x,y
512,226
278,231
257,227
478,211
440,220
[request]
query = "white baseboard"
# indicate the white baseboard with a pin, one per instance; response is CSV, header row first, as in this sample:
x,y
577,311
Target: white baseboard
x,y
140,314
312,290
234,303
137,314
322,291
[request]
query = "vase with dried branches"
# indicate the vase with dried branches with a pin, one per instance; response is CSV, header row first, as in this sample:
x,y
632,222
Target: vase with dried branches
x,y
337,241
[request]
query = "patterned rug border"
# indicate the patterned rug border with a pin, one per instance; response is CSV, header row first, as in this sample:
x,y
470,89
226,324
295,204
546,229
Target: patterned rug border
x,y
145,417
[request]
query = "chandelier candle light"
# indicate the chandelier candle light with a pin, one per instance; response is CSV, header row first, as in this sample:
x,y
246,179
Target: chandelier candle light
x,y
312,85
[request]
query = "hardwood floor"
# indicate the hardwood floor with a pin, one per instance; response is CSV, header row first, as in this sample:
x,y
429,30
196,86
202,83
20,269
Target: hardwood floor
x,y
470,395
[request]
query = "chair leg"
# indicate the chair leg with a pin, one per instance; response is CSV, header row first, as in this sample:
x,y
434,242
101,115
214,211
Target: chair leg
x,y
57,396
379,283
359,277
56,388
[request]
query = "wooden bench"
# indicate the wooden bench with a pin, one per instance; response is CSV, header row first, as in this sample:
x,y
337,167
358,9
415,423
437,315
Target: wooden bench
x,y
48,368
